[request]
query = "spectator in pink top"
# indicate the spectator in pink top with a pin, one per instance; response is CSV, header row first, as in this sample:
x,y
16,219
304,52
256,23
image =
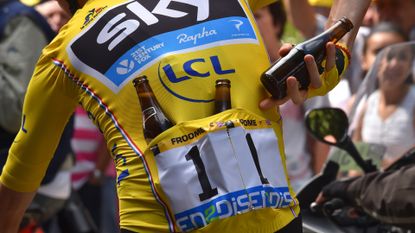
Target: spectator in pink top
x,y
94,172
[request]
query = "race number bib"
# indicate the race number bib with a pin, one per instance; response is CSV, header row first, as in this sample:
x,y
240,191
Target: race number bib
x,y
220,166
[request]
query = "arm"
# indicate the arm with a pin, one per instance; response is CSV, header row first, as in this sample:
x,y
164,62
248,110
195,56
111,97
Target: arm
x,y
386,196
49,103
355,10
357,133
13,204
302,16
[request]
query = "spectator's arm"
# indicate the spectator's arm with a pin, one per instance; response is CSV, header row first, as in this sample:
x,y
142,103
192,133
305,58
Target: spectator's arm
x,y
302,15
354,10
357,134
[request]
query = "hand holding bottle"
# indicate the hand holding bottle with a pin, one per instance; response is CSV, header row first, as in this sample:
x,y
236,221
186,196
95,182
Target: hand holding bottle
x,y
293,92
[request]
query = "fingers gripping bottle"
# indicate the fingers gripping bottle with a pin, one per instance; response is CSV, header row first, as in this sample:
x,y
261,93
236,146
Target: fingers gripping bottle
x,y
275,77
154,119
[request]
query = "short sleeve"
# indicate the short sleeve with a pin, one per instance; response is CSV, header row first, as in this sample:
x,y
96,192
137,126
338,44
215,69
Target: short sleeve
x,y
49,102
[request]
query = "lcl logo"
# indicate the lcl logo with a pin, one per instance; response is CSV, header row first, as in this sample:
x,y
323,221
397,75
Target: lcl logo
x,y
197,68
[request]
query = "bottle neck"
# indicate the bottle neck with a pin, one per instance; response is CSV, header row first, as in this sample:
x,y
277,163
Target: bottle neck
x,y
146,95
222,98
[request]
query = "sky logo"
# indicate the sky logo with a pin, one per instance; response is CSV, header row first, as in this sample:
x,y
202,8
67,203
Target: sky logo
x,y
136,32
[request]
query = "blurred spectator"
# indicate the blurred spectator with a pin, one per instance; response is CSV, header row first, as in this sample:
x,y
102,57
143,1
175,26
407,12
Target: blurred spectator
x,y
387,117
304,155
54,14
380,36
304,17
23,34
372,16
401,12
89,175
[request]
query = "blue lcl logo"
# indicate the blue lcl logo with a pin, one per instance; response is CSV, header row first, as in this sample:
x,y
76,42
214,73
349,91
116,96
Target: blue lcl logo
x,y
189,70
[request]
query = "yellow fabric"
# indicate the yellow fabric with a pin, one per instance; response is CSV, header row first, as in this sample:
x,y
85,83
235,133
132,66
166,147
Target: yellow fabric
x,y
173,139
329,79
323,3
68,73
258,4
31,2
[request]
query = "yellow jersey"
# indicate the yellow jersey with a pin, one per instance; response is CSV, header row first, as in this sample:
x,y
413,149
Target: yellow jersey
x,y
199,179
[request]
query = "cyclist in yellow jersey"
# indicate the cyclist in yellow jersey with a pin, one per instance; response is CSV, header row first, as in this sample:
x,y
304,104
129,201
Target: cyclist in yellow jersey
x,y
207,175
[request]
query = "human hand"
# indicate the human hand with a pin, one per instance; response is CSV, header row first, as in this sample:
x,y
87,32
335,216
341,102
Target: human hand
x,y
293,92
336,189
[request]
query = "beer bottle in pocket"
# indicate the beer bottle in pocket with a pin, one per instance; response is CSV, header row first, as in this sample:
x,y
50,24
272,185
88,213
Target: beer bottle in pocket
x,y
274,78
222,95
154,119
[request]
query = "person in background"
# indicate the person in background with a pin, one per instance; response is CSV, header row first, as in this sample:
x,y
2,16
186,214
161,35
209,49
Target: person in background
x,y
53,13
385,196
23,35
308,16
93,170
89,175
400,12
387,118
372,16
24,32
304,155
154,197
380,36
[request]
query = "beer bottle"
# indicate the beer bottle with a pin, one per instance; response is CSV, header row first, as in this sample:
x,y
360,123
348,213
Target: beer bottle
x,y
274,78
154,120
222,95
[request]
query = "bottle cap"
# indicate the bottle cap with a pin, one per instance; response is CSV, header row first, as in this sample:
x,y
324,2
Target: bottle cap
x,y
223,82
347,22
140,79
